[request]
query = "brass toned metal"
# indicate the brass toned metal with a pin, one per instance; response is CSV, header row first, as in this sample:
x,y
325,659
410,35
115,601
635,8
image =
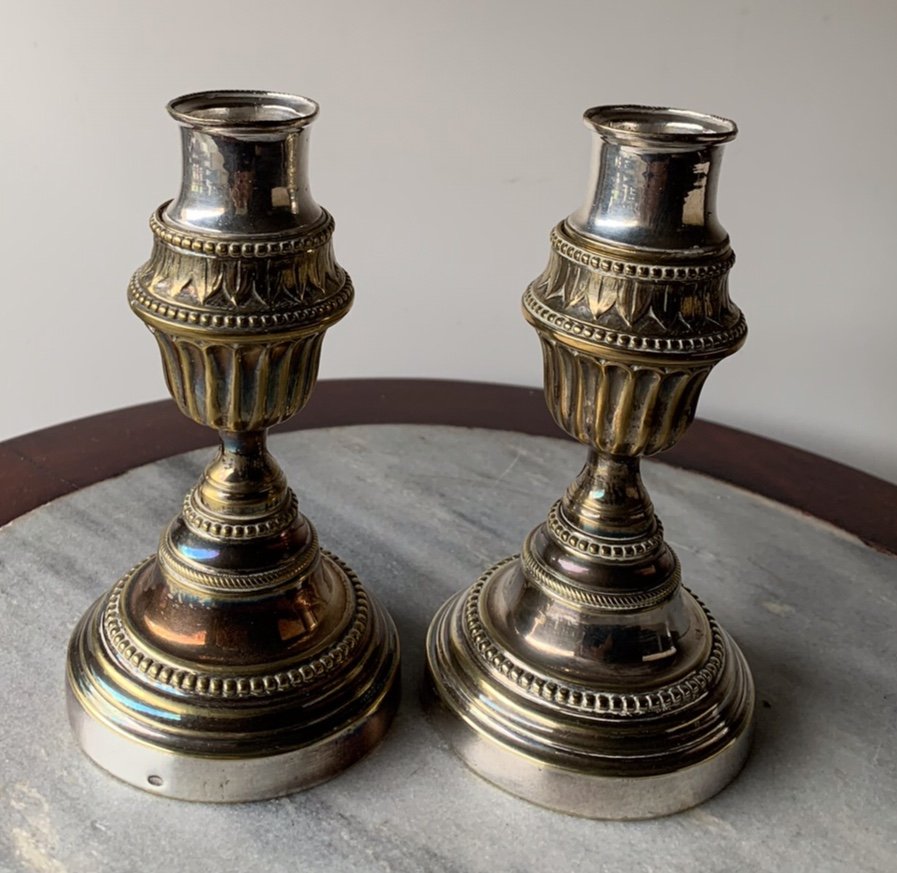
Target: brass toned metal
x,y
582,675
241,661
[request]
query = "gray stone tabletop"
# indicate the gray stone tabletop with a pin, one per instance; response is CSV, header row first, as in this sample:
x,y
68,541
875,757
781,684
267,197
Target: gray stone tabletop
x,y
419,512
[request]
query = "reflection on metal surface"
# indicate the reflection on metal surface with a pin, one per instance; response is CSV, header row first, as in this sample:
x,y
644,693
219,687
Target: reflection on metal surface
x,y
581,674
242,661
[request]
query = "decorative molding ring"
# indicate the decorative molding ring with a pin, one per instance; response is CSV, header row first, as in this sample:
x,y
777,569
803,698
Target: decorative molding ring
x,y
637,270
224,582
205,525
565,534
540,575
215,685
206,245
581,698
721,341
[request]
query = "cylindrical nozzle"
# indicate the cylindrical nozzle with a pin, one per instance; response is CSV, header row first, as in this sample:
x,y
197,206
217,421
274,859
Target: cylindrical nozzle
x,y
653,178
245,163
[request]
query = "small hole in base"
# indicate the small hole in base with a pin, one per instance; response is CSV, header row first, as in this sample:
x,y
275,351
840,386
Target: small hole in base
x,y
155,781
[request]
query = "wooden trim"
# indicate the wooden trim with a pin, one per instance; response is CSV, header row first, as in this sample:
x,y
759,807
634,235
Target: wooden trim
x,y
46,464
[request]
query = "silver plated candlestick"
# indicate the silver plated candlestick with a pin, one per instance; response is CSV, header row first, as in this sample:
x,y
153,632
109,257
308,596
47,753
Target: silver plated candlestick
x,y
241,661
582,674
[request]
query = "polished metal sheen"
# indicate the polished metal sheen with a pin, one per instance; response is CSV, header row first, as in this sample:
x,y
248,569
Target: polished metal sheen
x,y
242,661
582,675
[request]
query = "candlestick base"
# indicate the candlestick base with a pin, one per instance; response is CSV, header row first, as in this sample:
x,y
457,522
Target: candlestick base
x,y
190,730
586,746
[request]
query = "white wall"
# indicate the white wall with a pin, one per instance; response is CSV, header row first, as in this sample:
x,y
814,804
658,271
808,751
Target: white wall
x,y
448,144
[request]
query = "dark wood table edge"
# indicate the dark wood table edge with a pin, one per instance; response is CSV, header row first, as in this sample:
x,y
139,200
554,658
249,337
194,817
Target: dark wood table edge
x,y
45,464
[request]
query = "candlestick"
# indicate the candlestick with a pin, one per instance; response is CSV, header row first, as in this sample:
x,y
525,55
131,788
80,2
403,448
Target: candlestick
x,y
582,674
242,660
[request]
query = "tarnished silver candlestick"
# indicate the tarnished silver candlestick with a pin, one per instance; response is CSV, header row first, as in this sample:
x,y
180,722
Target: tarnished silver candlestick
x,y
242,661
582,675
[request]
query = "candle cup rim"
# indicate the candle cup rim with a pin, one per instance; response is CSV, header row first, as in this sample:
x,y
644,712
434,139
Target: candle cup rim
x,y
243,111
634,124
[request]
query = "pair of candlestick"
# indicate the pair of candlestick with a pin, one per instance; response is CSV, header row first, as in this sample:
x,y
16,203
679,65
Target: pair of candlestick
x,y
243,661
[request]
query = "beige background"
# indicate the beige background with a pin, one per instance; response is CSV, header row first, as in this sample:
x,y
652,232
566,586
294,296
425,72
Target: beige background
x,y
448,144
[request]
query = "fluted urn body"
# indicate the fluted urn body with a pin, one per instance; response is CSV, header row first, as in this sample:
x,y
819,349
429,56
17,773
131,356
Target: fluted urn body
x,y
241,661
581,674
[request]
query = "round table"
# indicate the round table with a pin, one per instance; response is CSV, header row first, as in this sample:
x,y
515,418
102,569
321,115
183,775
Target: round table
x,y
420,486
